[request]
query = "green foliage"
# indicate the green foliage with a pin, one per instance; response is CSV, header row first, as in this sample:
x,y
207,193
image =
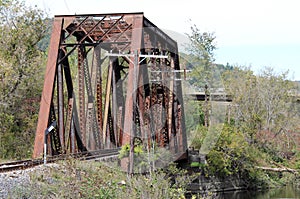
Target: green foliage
x,y
198,136
73,179
202,44
231,153
147,159
124,152
233,149
263,120
194,114
218,164
263,107
195,164
21,76
138,150
201,58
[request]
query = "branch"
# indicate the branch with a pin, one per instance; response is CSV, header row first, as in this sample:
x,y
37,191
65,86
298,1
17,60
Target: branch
x,y
283,169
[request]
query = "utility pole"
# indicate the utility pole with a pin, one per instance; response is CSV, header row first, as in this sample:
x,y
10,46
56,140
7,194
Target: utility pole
x,y
206,108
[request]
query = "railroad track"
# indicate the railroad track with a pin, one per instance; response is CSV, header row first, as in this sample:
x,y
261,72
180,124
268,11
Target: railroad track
x,y
83,156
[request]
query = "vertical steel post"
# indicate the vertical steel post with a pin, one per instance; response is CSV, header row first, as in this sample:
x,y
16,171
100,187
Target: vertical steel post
x,y
182,133
137,30
47,131
132,132
170,107
45,146
72,136
114,99
81,93
60,102
98,63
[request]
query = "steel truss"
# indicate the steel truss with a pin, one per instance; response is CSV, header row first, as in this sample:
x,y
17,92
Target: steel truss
x,y
103,89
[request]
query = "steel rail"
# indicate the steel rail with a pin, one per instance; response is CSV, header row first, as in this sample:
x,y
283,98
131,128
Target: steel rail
x,y
82,156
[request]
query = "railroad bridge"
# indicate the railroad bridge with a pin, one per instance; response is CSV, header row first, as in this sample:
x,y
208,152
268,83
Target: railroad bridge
x,y
110,79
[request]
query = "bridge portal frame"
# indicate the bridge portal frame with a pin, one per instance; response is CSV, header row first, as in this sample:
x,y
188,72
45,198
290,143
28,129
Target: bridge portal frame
x,y
75,97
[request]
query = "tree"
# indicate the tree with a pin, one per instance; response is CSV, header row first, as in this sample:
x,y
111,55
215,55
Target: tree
x,y
273,90
240,83
201,49
21,28
230,155
263,107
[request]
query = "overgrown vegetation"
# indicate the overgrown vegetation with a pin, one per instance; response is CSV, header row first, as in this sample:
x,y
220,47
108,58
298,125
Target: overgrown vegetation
x,y
21,76
74,179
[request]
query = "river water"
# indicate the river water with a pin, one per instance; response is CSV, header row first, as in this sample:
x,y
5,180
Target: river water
x,y
287,192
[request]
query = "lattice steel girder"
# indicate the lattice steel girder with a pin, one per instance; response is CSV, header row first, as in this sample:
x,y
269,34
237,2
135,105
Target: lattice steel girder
x,y
78,71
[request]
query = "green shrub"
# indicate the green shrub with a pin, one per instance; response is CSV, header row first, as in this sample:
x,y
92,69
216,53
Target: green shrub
x,y
195,164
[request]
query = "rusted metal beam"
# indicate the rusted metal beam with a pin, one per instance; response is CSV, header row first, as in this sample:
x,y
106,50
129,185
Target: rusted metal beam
x,y
103,14
135,47
81,93
171,108
161,36
47,93
115,69
60,102
98,62
180,108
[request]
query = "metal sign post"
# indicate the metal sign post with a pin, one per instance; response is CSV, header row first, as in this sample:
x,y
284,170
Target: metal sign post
x,y
47,131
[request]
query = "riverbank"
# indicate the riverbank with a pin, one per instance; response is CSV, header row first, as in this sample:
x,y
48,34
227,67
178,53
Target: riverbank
x,y
212,186
210,177
286,192
75,179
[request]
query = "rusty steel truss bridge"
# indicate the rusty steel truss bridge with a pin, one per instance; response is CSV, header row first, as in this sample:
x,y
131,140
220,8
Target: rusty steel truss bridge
x,y
111,79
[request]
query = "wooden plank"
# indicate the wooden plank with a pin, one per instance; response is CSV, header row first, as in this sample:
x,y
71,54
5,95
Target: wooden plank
x,y
107,99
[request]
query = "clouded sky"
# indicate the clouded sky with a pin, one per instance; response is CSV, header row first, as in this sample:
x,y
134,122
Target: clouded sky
x,y
253,33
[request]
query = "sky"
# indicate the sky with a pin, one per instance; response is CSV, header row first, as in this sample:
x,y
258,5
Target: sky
x,y
253,33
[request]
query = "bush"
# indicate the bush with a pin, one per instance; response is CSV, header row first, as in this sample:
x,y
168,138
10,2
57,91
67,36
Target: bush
x,y
230,155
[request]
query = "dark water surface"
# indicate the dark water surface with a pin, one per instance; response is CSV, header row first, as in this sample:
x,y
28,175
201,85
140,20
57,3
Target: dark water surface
x,y
287,192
